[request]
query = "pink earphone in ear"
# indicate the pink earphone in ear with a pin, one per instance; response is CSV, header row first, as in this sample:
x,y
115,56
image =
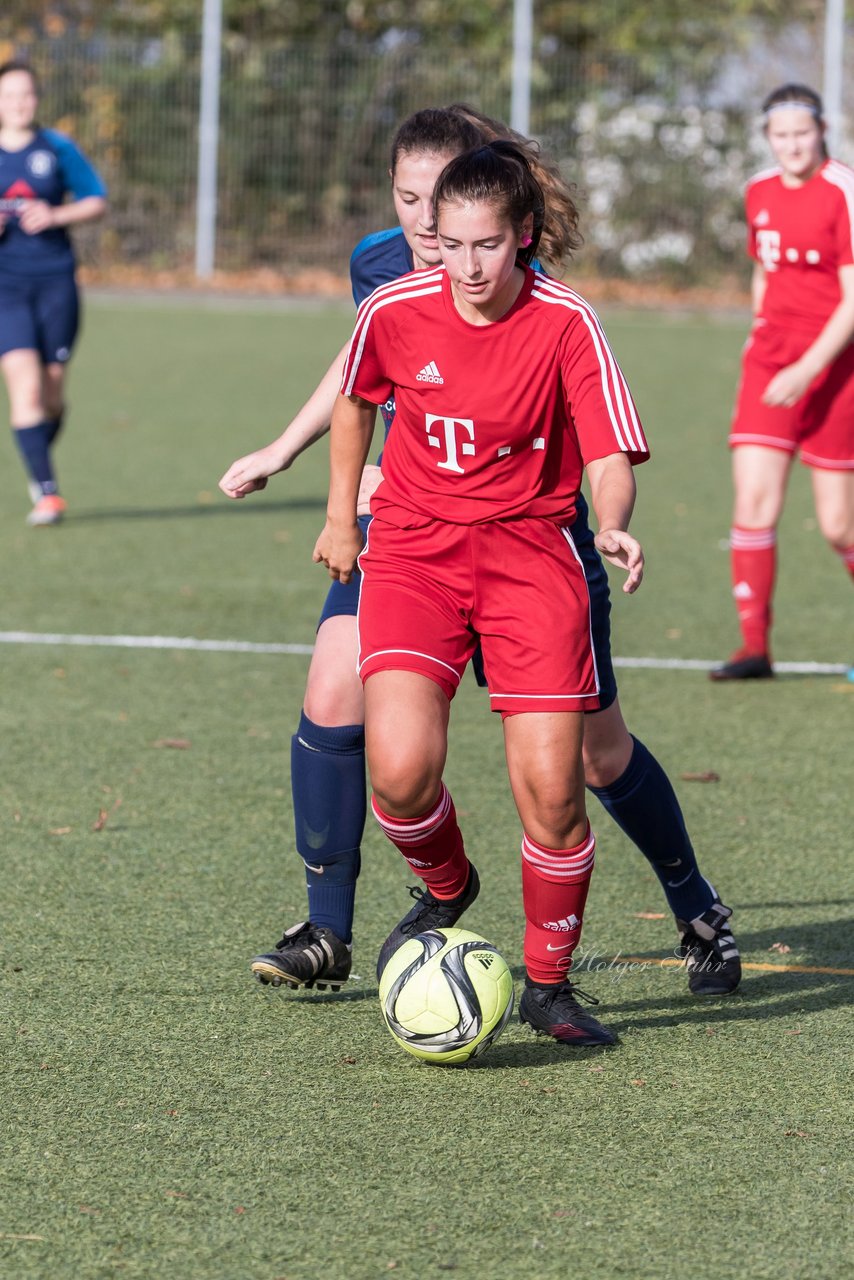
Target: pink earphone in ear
x,y
526,240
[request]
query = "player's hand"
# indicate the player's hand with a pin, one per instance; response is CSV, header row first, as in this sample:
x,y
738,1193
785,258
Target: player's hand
x,y
3,221
786,387
338,548
36,216
370,482
621,549
250,474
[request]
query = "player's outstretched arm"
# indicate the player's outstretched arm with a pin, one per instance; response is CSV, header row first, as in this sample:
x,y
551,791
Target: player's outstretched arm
x,y
340,542
251,473
612,492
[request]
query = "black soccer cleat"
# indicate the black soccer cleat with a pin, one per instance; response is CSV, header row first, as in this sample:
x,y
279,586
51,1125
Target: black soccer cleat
x,y
554,1011
428,913
308,955
709,951
744,666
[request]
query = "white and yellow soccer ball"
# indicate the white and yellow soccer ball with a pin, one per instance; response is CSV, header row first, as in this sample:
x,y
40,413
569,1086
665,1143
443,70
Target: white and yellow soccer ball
x,y
446,996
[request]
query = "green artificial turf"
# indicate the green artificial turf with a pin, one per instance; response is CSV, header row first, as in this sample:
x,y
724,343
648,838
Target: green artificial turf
x,y
163,1115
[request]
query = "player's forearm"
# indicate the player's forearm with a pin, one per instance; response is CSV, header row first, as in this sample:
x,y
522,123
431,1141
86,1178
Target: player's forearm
x,y
312,421
89,209
352,430
833,339
612,490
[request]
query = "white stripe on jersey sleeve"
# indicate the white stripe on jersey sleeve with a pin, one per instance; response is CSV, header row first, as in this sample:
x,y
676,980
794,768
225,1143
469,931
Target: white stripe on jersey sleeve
x,y
839,175
624,417
773,172
397,291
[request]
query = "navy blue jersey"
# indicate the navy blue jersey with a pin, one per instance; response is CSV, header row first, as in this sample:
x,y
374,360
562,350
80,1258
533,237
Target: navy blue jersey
x,y
49,168
379,259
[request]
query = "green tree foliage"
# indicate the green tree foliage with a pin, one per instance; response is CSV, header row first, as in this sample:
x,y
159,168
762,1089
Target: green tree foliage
x,y
630,27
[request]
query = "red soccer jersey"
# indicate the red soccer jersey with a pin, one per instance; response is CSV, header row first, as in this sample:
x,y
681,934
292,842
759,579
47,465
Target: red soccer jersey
x,y
492,421
801,236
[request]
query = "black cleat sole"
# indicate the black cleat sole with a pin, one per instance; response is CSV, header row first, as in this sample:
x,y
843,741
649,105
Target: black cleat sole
x,y
269,979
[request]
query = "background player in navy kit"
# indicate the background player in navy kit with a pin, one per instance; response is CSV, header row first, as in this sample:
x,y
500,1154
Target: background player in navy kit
x,y
327,760
39,305
796,393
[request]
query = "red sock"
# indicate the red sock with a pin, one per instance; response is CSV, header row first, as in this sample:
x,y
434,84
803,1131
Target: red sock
x,y
846,555
753,557
554,890
432,845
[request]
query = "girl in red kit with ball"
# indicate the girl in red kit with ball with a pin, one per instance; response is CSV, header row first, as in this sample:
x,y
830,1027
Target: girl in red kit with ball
x,y
505,389
797,386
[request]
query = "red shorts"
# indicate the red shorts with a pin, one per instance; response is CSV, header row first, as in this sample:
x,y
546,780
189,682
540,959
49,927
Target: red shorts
x,y
429,591
820,425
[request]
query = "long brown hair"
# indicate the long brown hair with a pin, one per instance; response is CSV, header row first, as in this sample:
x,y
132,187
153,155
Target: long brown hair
x,y
498,173
560,235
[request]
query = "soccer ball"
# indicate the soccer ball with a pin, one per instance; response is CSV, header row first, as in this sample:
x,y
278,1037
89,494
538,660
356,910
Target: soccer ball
x,y
446,996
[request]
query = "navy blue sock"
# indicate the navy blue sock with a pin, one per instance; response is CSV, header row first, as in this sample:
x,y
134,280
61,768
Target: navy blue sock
x,y
34,444
54,425
644,805
330,803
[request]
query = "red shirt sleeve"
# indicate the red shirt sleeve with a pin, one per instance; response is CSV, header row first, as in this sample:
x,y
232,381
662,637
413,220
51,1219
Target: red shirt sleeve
x,y
600,404
845,230
752,251
365,367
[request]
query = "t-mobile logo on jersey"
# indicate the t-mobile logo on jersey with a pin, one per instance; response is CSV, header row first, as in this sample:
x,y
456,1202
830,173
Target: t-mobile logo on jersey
x,y
768,249
448,436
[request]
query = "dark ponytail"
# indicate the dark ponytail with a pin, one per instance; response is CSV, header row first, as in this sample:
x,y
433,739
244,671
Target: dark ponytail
x,y
436,131
498,174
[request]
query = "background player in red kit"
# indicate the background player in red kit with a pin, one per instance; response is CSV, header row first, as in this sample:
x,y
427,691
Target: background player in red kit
x,y
797,385
505,388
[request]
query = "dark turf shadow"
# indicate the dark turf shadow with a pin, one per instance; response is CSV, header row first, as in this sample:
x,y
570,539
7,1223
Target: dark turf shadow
x,y
811,943
215,509
795,906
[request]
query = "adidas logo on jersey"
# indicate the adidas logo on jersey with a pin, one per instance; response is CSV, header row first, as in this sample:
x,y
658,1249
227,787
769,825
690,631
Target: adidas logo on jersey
x,y
429,374
562,926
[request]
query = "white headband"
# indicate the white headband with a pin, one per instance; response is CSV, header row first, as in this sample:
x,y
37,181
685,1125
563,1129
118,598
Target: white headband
x,y
796,106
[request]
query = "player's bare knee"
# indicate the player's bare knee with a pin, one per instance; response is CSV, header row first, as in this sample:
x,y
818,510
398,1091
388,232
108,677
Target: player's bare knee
x,y
333,696
404,786
837,528
555,821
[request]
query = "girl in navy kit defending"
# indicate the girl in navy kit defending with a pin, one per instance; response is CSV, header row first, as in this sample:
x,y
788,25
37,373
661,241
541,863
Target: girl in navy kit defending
x,y
39,303
328,748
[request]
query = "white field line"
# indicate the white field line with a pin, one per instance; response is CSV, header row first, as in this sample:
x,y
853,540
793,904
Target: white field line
x,y
151,642
248,646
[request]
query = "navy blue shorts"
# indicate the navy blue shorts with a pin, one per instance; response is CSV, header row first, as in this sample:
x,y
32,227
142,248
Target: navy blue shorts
x,y
40,315
344,601
600,607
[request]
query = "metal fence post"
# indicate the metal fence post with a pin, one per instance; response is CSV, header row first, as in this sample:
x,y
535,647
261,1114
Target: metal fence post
x,y
208,138
520,102
834,56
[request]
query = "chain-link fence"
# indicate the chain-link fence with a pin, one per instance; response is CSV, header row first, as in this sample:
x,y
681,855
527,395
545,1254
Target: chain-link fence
x,y
659,155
